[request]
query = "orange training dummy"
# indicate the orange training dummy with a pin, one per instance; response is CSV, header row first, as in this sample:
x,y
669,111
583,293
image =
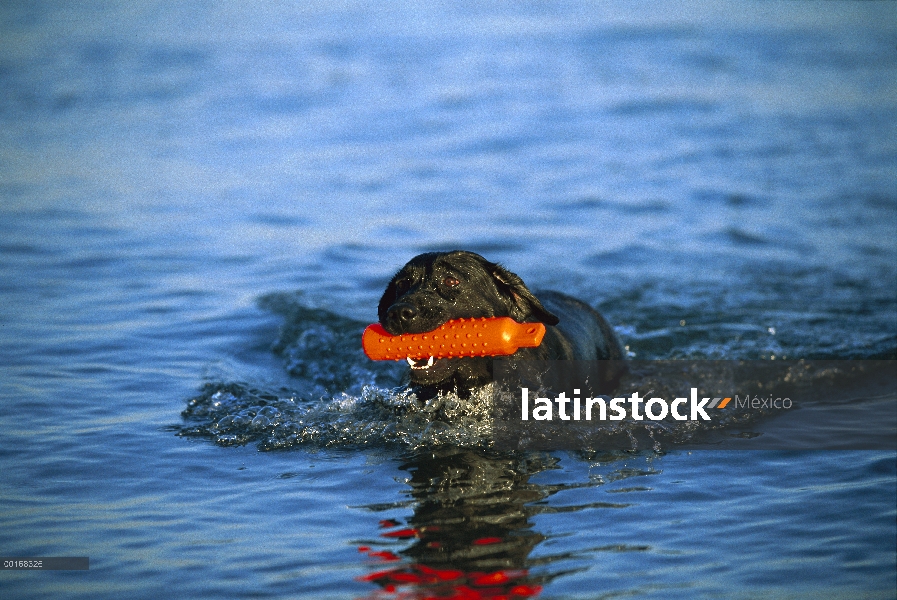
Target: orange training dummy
x,y
492,336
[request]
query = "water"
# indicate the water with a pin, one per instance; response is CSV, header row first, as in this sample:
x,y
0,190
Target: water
x,y
210,199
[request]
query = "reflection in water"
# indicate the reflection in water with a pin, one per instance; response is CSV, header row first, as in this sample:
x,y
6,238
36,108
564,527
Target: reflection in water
x,y
471,533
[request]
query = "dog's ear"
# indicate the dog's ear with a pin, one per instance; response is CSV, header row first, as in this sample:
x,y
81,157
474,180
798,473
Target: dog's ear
x,y
387,300
522,301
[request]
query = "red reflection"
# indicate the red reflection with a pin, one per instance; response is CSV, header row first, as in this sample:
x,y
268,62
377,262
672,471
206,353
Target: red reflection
x,y
386,523
469,537
417,581
401,533
486,541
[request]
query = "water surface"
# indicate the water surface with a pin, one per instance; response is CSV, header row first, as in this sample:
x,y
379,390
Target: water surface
x,y
210,199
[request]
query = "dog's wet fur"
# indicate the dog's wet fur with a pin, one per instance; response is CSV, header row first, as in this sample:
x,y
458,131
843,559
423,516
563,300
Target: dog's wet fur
x,y
440,286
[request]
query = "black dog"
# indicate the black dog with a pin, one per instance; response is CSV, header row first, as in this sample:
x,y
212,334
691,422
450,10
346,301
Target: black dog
x,y
439,286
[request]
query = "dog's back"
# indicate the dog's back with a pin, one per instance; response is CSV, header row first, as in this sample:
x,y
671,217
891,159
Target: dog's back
x,y
581,334
587,335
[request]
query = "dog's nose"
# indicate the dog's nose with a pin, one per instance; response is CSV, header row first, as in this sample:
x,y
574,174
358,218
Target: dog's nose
x,y
401,314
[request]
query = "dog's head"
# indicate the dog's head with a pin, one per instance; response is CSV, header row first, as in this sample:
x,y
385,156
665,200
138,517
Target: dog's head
x,y
440,286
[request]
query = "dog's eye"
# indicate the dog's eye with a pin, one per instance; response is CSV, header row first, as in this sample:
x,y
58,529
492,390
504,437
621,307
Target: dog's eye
x,y
402,285
450,282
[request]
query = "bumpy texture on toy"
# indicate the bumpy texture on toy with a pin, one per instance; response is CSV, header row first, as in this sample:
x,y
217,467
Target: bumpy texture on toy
x,y
494,336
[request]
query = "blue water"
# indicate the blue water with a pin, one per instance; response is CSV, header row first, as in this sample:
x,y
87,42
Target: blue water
x,y
209,199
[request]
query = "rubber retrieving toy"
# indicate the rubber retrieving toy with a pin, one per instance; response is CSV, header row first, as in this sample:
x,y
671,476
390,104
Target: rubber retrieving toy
x,y
488,336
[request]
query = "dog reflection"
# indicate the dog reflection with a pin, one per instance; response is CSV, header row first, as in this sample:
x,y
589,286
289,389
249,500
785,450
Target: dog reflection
x,y
470,535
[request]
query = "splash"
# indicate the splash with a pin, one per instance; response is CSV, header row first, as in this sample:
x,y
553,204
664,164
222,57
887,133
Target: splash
x,y
339,398
235,414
